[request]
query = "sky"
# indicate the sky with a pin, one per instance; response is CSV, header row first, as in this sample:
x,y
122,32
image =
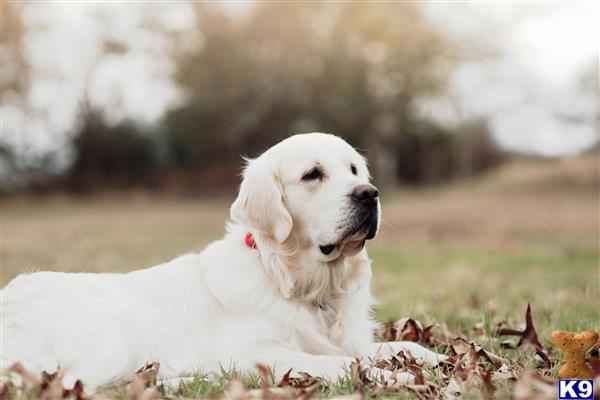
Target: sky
x,y
539,52
543,49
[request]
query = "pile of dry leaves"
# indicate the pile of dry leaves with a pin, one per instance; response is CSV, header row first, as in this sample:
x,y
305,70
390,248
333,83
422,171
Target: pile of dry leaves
x,y
470,369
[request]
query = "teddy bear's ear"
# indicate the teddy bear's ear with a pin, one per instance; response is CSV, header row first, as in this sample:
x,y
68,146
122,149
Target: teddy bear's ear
x,y
559,337
590,337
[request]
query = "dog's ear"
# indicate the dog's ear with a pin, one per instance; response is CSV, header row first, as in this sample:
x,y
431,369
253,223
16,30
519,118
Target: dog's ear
x,y
260,202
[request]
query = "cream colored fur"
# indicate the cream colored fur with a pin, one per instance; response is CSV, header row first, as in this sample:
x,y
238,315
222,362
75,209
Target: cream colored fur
x,y
285,304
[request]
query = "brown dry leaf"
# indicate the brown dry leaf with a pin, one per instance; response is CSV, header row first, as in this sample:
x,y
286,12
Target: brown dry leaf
x,y
417,371
403,361
76,392
358,375
266,377
493,359
528,335
467,371
422,387
464,374
148,373
6,390
407,329
425,392
51,386
48,386
595,364
410,330
139,391
143,383
413,331
285,380
532,385
507,344
461,346
487,386
388,331
306,383
310,390
422,391
454,389
27,378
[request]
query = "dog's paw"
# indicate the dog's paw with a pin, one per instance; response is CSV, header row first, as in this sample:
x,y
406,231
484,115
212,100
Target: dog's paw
x,y
422,355
390,377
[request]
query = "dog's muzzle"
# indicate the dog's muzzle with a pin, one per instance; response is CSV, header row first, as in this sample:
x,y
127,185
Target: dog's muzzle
x,y
365,221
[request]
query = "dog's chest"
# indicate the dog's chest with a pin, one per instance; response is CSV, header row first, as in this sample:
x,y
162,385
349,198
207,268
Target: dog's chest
x,y
328,320
326,313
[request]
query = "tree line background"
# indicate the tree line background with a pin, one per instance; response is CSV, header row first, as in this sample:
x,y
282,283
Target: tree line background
x,y
247,83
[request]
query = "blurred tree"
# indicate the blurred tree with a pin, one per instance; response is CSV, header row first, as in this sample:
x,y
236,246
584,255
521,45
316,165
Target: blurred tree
x,y
110,156
348,68
589,85
14,80
354,69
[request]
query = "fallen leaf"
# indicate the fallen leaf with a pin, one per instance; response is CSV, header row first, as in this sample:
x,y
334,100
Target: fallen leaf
x,y
309,391
595,364
464,373
6,390
143,383
407,329
27,378
51,386
265,374
388,332
139,391
358,375
532,385
454,389
76,392
461,346
148,373
528,335
285,380
488,387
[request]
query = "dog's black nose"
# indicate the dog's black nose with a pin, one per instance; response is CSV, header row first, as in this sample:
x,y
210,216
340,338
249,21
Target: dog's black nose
x,y
365,193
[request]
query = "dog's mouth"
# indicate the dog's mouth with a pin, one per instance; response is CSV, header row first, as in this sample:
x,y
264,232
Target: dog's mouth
x,y
353,241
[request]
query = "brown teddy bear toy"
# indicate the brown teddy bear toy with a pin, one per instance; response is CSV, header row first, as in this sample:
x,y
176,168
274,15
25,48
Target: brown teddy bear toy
x,y
574,345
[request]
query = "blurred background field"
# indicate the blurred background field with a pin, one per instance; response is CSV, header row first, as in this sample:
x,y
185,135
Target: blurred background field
x,y
448,254
123,127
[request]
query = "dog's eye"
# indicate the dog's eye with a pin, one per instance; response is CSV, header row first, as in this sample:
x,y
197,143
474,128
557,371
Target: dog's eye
x,y
353,169
312,175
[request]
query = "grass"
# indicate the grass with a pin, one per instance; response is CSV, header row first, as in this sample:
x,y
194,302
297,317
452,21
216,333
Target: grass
x,y
469,253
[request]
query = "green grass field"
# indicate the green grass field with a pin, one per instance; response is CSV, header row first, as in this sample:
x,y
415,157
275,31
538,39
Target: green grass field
x,y
476,251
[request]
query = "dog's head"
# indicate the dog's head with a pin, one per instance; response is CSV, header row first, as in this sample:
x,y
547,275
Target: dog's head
x,y
313,188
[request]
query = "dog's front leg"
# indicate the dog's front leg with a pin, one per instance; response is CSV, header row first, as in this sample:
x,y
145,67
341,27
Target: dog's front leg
x,y
330,368
281,359
421,354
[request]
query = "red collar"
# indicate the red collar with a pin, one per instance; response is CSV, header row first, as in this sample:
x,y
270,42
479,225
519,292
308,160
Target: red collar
x,y
249,240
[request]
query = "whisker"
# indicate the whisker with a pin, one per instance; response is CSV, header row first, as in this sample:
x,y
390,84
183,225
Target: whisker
x,y
388,224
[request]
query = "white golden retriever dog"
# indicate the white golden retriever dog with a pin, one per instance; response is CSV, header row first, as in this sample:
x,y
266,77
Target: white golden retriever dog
x,y
288,286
